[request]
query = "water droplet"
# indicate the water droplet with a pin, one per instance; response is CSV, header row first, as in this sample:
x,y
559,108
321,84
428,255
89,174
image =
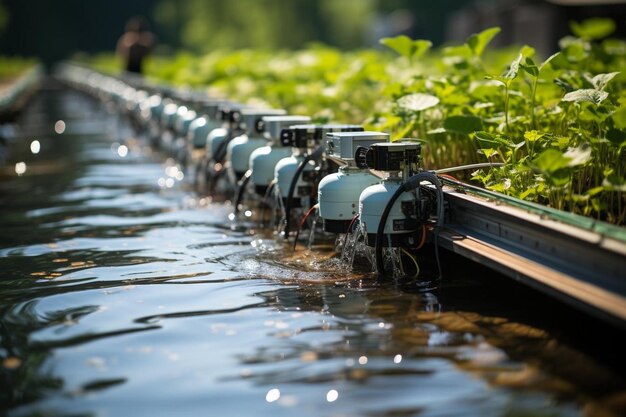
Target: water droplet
x,y
35,146
59,126
122,151
397,358
362,360
247,213
332,395
169,183
272,395
171,171
180,175
161,182
20,168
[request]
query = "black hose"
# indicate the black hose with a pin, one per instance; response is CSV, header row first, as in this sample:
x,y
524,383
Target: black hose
x,y
220,152
266,203
240,191
211,175
409,185
316,154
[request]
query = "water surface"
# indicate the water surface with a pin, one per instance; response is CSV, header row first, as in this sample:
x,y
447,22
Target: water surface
x,y
122,292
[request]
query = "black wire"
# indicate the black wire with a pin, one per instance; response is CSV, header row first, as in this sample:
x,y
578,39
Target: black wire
x,y
240,191
316,154
409,185
266,203
380,268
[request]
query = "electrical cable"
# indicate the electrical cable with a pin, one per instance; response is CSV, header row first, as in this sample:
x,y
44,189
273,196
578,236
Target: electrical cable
x,y
266,204
409,185
470,166
417,267
356,216
316,154
423,239
243,182
306,216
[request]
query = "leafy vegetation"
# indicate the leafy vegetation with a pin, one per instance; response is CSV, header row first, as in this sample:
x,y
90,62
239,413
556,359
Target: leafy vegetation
x,y
557,124
11,66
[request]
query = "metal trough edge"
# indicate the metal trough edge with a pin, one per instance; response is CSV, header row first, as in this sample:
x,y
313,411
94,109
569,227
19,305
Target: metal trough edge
x,y
580,267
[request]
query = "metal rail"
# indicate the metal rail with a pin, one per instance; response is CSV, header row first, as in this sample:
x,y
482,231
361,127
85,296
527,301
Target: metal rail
x,y
580,266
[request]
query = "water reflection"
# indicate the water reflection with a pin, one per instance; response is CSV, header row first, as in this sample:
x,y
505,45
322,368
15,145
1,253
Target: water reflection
x,y
120,293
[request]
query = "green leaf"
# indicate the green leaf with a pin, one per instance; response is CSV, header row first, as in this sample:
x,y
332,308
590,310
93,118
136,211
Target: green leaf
x,y
463,124
586,94
417,101
578,156
513,68
533,135
614,183
486,140
619,117
616,136
406,47
564,84
595,190
530,67
488,152
527,193
550,161
591,29
499,78
601,80
479,41
549,60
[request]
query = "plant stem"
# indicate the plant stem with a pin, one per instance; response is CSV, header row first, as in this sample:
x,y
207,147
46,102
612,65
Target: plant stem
x,y
506,107
532,102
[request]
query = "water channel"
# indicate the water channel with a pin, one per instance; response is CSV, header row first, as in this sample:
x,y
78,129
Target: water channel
x,y
123,292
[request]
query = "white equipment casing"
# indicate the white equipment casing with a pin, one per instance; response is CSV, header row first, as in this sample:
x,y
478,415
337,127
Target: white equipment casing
x,y
286,169
239,150
168,115
214,140
263,162
338,194
198,131
183,122
372,203
343,145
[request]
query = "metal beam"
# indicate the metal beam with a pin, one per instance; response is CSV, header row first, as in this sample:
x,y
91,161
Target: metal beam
x,y
578,266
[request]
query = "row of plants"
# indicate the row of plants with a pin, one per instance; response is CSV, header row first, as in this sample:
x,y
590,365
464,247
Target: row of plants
x,y
557,124
12,66
18,77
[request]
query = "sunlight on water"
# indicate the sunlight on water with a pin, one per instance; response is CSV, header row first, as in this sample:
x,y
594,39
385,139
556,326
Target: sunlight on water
x,y
35,146
123,290
20,168
59,127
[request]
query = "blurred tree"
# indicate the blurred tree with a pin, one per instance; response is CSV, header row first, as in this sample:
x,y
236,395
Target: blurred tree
x,y
214,24
4,17
265,23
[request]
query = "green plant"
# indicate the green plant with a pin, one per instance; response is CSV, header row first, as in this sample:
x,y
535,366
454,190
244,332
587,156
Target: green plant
x,y
558,125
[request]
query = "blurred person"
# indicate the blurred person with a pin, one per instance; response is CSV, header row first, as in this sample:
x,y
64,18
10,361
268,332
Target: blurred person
x,y
135,44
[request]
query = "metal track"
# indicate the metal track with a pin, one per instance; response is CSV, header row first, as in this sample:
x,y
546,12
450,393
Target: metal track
x,y
579,266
